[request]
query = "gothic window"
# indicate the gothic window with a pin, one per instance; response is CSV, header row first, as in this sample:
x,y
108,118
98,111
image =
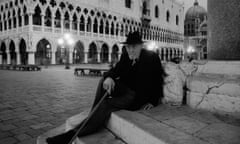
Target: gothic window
x,y
82,23
156,11
89,24
19,17
95,26
112,29
107,28
58,19
128,3
177,20
117,29
101,26
144,9
167,16
48,17
9,21
25,15
37,16
74,22
66,21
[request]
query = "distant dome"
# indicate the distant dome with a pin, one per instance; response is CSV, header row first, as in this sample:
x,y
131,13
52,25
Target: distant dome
x,y
196,11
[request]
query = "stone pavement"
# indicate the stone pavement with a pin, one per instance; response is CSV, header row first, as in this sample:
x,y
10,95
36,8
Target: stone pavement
x,y
32,103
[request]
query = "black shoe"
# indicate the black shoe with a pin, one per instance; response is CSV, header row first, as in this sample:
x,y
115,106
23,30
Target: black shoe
x,y
62,138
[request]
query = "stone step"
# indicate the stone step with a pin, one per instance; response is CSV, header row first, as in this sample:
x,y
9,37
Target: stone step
x,y
102,137
42,138
136,128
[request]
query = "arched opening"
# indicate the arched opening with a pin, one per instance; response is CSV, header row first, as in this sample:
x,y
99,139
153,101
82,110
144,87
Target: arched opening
x,y
82,24
162,54
58,19
66,21
43,54
167,16
61,55
37,16
104,53
48,17
101,26
19,18
92,53
13,55
25,15
115,52
107,28
112,28
4,53
78,53
74,22
23,52
156,12
95,26
89,24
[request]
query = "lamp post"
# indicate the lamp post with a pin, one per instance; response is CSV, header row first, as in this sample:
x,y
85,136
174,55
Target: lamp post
x,y
65,42
190,51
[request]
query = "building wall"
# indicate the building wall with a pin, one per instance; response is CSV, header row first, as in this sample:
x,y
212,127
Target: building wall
x,y
224,29
167,36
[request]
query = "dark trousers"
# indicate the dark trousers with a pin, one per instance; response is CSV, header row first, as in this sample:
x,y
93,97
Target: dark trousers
x,y
121,98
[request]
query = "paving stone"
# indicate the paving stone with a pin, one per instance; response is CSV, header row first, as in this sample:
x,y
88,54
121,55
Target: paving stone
x,y
186,124
23,136
7,127
8,140
220,133
41,125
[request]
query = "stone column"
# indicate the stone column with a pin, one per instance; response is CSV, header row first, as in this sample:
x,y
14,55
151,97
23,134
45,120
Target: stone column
x,y
31,58
42,24
98,57
52,23
70,56
62,24
109,57
0,58
53,59
78,23
22,20
70,24
8,57
86,57
30,22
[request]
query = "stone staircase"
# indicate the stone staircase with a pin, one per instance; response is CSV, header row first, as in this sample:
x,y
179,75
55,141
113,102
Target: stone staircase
x,y
162,125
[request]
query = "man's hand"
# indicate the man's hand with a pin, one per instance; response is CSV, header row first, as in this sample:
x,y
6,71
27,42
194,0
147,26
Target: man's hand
x,y
147,106
109,85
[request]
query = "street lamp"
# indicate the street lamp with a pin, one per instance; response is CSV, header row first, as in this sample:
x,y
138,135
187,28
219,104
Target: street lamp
x,y
65,42
190,51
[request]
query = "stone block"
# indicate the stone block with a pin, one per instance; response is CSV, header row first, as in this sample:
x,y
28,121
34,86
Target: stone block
x,y
214,102
220,133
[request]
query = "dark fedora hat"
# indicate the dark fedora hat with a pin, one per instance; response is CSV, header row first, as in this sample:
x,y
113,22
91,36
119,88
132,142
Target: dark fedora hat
x,y
133,38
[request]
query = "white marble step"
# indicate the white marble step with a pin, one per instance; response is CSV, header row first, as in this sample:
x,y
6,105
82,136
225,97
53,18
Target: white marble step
x,y
136,128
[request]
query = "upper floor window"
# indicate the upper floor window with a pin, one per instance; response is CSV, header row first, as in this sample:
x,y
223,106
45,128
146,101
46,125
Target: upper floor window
x,y
168,16
128,3
156,11
177,20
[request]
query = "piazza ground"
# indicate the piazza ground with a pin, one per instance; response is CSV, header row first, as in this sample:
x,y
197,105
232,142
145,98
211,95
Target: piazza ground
x,y
32,103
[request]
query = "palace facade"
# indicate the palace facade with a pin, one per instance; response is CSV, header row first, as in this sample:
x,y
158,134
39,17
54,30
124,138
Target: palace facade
x,y
86,31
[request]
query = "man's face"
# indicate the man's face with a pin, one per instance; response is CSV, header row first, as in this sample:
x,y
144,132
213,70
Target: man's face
x,y
133,50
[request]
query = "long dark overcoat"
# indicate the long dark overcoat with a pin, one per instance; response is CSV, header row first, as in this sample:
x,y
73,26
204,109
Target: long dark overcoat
x,y
145,77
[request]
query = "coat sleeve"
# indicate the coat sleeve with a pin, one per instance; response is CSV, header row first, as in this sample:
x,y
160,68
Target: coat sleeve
x,y
115,72
156,92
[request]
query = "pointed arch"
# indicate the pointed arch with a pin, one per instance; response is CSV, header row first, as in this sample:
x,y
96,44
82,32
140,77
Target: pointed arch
x,y
112,28
156,11
57,19
82,23
89,24
19,17
95,25
13,55
101,26
43,52
92,53
66,21
23,52
26,21
37,16
107,27
78,53
48,17
74,22
115,53
4,53
104,53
